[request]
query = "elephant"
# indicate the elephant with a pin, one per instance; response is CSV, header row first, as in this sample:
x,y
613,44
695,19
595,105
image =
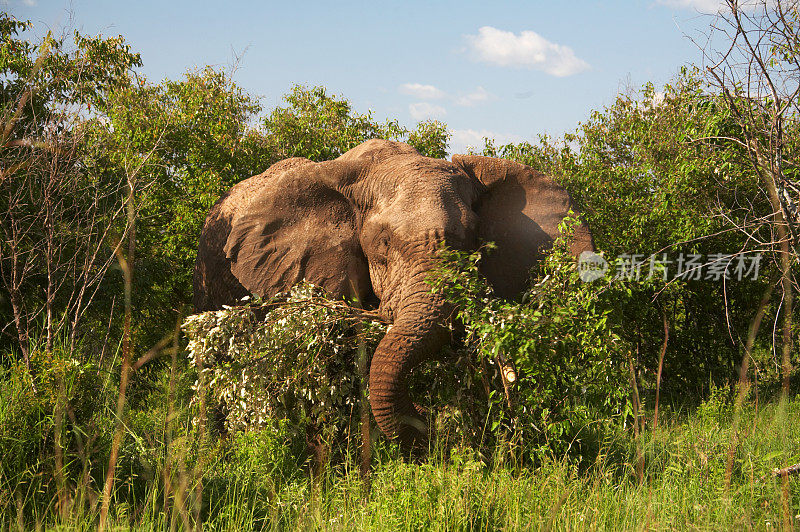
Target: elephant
x,y
368,225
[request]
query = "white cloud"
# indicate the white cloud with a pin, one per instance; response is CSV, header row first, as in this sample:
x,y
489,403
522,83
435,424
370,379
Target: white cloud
x,y
424,110
478,95
528,49
29,3
418,90
430,92
463,139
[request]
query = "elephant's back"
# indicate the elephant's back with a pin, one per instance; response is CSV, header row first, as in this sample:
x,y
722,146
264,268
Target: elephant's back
x,y
238,198
376,150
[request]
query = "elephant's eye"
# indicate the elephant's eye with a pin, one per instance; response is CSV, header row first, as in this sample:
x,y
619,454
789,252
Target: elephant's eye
x,y
382,247
377,243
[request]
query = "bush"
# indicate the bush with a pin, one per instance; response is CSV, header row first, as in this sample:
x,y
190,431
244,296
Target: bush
x,y
45,414
652,173
569,360
293,358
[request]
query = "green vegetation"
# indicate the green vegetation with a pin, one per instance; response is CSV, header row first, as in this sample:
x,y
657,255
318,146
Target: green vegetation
x,y
641,403
641,161
256,479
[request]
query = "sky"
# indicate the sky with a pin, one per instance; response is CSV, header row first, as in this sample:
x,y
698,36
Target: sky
x,y
506,70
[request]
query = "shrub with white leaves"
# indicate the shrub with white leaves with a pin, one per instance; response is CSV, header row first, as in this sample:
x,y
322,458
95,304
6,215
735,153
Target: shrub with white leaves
x,y
293,357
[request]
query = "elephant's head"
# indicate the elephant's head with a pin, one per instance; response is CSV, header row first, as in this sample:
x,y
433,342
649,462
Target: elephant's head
x,y
369,224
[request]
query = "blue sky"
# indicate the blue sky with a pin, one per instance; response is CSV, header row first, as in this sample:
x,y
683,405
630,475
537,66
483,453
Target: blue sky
x,y
508,70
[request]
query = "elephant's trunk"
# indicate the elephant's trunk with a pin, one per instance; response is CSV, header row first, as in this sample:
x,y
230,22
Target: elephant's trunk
x,y
416,334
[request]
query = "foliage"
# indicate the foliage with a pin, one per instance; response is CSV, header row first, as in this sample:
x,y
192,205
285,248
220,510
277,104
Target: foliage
x,y
654,160
49,76
320,127
569,359
54,215
251,484
430,139
182,144
297,363
35,420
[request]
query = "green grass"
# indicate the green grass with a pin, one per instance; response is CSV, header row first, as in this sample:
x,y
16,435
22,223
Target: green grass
x,y
254,482
683,487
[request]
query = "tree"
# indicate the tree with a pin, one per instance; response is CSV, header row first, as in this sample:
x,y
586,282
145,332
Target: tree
x,y
320,127
194,140
55,218
649,182
757,71
431,139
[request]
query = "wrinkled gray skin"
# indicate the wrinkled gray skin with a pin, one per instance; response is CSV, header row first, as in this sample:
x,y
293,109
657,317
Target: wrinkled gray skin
x,y
367,224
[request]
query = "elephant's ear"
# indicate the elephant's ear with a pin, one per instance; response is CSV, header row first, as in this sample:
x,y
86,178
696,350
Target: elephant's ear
x,y
300,227
519,210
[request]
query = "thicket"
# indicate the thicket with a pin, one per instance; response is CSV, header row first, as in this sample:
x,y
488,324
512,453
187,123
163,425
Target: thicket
x,y
85,137
660,162
105,180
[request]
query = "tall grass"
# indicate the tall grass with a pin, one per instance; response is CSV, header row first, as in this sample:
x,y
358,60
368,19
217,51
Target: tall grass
x,y
261,479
